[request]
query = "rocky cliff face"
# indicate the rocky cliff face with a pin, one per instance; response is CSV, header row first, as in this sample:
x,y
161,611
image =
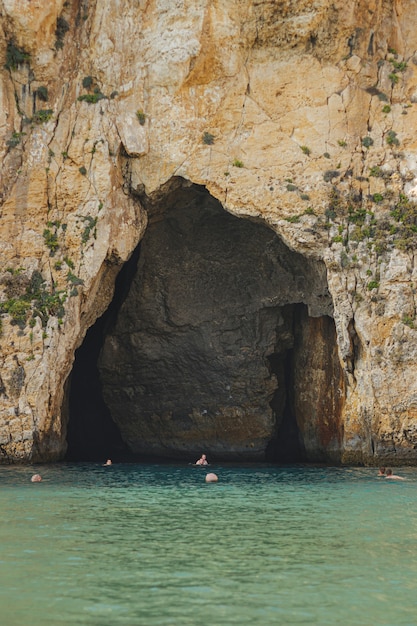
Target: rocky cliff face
x,y
259,159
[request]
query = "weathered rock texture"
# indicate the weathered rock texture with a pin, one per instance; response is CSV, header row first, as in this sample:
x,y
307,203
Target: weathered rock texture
x,y
298,116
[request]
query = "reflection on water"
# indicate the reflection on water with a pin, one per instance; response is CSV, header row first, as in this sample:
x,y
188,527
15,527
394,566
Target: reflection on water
x,y
155,545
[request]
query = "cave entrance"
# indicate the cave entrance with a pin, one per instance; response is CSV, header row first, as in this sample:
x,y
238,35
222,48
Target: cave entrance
x,y
220,339
92,434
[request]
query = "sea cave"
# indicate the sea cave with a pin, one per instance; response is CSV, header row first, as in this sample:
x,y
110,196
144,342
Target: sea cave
x,y
219,339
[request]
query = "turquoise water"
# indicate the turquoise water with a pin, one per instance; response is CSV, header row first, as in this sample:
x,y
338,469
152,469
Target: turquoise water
x,y
154,545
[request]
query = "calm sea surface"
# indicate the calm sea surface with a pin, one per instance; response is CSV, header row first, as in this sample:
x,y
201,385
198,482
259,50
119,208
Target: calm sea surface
x,y
154,545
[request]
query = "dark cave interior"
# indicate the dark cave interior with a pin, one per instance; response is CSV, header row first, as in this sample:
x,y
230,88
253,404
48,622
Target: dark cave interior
x,y
92,435
93,431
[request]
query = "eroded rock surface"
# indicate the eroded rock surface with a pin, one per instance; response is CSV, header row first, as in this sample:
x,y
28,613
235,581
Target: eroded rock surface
x,y
300,116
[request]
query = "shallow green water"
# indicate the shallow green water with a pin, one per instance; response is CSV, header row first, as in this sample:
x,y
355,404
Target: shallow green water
x,y
157,546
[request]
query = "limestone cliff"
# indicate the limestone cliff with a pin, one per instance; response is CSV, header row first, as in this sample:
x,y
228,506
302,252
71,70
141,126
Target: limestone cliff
x,y
262,155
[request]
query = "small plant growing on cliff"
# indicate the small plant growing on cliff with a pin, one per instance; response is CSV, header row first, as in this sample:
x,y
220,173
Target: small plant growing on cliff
x,y
13,271
342,143
82,170
408,321
25,295
37,297
42,93
373,284
376,171
51,237
91,223
208,139
14,140
17,309
329,175
291,187
401,210
51,240
42,116
330,214
392,139
45,302
87,82
74,280
405,229
141,117
377,197
56,223
92,98
357,216
367,142
306,150
15,56
386,108
237,163
399,66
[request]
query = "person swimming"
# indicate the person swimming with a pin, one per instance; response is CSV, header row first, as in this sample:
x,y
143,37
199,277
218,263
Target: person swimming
x,y
202,460
392,476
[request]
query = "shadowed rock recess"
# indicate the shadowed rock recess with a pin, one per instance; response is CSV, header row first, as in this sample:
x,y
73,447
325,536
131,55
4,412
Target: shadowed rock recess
x,y
224,342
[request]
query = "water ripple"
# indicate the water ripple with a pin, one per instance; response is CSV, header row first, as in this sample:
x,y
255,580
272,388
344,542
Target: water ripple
x,y
155,545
